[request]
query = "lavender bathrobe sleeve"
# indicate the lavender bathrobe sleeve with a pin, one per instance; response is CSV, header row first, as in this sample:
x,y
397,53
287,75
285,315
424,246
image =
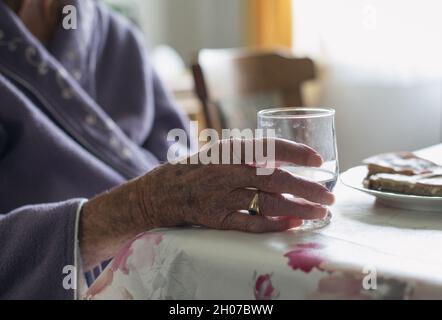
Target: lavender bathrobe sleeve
x,y
76,119
31,239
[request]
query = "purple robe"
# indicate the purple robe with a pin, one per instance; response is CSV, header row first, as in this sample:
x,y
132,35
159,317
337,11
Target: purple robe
x,y
77,117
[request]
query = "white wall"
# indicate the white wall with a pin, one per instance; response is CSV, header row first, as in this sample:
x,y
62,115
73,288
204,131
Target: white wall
x,y
372,117
382,71
189,25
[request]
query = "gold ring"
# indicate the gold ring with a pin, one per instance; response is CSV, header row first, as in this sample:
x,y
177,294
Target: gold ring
x,y
254,206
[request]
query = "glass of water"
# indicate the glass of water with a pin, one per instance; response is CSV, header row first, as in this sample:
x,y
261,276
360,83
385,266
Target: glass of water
x,y
314,127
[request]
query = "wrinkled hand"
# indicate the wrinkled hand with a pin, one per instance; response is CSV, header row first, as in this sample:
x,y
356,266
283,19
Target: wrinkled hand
x,y
213,195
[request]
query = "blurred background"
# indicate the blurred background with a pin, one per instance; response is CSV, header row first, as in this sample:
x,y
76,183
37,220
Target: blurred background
x,y
378,63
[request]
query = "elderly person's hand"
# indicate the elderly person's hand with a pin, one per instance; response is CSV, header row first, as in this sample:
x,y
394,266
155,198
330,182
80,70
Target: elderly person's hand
x,y
211,195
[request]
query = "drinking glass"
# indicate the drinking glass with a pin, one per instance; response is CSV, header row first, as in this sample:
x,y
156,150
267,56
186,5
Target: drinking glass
x,y
314,127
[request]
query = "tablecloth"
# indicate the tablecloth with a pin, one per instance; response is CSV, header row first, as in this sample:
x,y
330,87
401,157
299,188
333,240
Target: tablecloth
x,y
369,251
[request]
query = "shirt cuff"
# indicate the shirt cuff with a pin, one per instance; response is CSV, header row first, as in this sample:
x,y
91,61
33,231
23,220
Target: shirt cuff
x,y
81,286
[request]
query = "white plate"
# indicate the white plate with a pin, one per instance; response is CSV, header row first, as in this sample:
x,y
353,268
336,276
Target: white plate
x,y
353,178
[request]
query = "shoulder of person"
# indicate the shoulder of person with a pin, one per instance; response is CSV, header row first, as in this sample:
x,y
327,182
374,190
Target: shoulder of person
x,y
118,28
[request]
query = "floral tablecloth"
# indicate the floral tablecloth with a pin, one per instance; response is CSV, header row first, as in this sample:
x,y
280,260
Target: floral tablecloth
x,y
368,252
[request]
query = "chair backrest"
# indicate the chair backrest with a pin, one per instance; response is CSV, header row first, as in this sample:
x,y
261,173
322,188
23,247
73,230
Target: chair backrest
x,y
233,84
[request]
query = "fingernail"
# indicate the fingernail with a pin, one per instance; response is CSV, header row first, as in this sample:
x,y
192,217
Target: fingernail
x,y
314,160
329,198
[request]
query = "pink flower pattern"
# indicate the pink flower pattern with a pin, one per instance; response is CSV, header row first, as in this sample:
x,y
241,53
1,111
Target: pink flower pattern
x,y
339,284
305,257
264,289
122,262
333,283
147,240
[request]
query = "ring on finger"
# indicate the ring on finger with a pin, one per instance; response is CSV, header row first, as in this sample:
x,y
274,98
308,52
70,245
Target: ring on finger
x,y
254,205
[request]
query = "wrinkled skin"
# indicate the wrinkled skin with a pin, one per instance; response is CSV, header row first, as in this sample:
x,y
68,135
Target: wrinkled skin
x,y
212,195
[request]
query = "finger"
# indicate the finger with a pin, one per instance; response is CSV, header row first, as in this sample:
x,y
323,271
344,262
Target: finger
x,y
273,205
289,152
267,152
256,224
279,182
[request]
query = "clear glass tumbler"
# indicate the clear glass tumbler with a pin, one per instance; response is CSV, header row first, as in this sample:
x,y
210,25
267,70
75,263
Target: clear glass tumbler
x,y
314,127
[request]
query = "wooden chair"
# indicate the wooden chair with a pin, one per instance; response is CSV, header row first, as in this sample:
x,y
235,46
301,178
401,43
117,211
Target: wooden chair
x,y
247,81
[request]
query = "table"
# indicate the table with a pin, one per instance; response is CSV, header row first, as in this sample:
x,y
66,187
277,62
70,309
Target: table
x,y
368,252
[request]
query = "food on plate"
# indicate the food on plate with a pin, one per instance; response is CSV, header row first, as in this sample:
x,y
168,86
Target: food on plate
x,y
405,163
429,184
405,173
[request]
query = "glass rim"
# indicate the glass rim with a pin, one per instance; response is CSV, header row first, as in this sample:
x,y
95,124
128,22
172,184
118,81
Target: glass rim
x,y
275,113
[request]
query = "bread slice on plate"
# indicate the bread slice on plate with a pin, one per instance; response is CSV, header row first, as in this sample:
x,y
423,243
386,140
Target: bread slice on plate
x,y
404,163
405,173
428,184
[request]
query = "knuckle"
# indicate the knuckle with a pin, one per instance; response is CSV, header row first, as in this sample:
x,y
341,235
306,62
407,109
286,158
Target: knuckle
x,y
237,199
307,208
274,180
268,204
300,206
246,176
318,190
311,186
